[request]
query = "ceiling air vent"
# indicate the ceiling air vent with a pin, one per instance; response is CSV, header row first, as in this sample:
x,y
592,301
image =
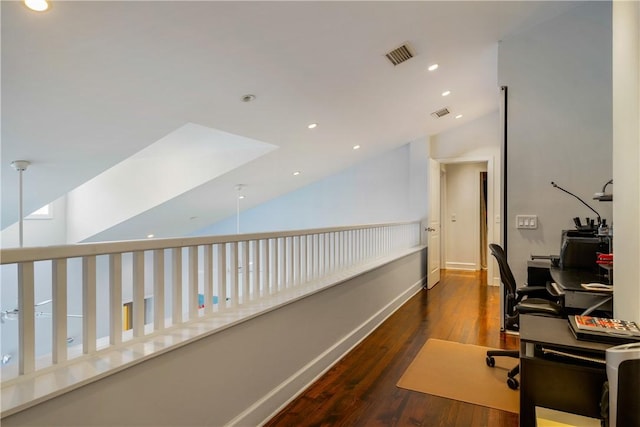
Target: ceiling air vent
x,y
441,112
399,55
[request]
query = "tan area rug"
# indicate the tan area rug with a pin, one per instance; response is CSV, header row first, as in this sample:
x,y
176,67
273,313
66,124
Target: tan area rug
x,y
459,371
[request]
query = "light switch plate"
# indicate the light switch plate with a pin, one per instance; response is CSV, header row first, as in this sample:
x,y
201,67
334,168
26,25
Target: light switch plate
x,y
527,221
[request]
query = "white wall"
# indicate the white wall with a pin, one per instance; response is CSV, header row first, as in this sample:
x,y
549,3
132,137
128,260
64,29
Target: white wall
x,y
462,215
559,125
386,188
626,158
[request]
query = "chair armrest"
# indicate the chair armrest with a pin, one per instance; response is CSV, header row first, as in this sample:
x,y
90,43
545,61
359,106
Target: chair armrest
x,y
533,292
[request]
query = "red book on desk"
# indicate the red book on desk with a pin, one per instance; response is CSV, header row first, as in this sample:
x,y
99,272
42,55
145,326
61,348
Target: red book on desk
x,y
602,329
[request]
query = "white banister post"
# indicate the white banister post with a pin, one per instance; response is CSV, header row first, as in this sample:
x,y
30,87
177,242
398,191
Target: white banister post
x,y
207,256
26,318
176,286
233,273
255,273
288,261
59,310
115,299
296,261
138,293
275,256
222,276
266,269
88,304
158,289
246,295
193,282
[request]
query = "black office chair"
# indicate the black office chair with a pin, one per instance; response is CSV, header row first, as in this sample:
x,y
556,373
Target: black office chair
x,y
524,300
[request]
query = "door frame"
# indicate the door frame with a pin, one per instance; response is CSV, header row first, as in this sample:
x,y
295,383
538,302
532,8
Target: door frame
x,y
494,229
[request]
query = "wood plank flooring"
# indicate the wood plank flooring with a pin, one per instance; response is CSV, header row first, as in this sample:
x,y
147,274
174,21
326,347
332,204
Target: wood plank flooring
x,y
360,390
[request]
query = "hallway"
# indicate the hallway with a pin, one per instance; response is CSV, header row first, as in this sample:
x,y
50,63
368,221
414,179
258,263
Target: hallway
x,y
360,390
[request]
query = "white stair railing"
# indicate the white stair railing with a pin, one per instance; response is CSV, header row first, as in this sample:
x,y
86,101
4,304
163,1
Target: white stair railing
x,y
164,283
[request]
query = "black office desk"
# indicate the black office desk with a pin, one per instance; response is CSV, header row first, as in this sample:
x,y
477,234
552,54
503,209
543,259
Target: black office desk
x,y
575,296
563,384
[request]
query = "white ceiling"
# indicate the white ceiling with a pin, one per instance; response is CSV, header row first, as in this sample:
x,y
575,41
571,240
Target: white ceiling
x,y
86,85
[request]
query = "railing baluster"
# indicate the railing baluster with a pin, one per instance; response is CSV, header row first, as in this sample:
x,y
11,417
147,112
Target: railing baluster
x,y
233,273
193,282
207,256
176,285
158,289
275,256
246,295
115,299
266,267
288,261
138,293
222,276
59,311
296,260
303,259
88,304
255,274
26,318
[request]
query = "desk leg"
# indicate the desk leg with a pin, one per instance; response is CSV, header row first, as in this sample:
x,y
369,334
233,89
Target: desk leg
x,y
527,398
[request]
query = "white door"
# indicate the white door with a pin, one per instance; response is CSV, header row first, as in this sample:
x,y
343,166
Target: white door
x,y
433,227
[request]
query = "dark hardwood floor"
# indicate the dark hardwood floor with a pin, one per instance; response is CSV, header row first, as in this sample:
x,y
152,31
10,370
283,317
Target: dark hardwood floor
x,y
360,390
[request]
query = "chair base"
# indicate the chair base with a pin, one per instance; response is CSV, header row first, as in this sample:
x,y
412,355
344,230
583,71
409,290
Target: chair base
x,y
512,382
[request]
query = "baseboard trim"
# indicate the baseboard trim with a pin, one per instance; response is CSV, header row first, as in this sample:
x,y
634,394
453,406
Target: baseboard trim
x,y
293,386
468,266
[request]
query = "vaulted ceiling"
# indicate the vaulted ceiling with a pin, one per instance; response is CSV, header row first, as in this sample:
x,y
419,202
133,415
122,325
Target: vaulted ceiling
x,y
87,85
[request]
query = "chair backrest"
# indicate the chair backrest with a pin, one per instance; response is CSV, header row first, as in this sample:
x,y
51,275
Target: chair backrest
x,y
506,276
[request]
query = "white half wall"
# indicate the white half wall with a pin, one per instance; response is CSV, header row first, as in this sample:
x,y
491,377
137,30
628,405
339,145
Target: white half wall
x,y
559,127
244,374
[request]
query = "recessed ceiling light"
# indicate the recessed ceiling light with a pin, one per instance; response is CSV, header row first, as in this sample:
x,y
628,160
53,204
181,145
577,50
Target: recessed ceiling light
x,y
150,236
458,116
296,173
240,197
446,93
356,147
37,5
312,126
248,98
433,67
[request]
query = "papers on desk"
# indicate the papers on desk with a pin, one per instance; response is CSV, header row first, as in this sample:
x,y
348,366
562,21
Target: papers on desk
x,y
598,287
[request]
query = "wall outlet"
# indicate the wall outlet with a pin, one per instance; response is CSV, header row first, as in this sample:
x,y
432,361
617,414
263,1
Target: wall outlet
x,y
527,221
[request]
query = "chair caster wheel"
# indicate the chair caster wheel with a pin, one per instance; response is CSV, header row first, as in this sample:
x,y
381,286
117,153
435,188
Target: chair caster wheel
x,y
491,362
513,383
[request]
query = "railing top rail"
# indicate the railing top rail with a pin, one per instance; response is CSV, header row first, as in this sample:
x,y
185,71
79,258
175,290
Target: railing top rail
x,y
41,253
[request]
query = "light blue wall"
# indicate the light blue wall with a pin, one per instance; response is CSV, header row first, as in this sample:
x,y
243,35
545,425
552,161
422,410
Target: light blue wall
x,y
559,117
389,187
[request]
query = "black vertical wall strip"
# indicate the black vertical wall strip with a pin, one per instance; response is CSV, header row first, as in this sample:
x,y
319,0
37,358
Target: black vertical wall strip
x,y
505,167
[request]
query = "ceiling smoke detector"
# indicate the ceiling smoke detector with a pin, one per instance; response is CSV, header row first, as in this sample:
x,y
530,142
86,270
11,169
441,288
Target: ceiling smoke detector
x,y
399,55
441,112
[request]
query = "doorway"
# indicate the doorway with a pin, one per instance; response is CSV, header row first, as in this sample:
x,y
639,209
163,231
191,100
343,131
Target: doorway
x,y
464,219
460,247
